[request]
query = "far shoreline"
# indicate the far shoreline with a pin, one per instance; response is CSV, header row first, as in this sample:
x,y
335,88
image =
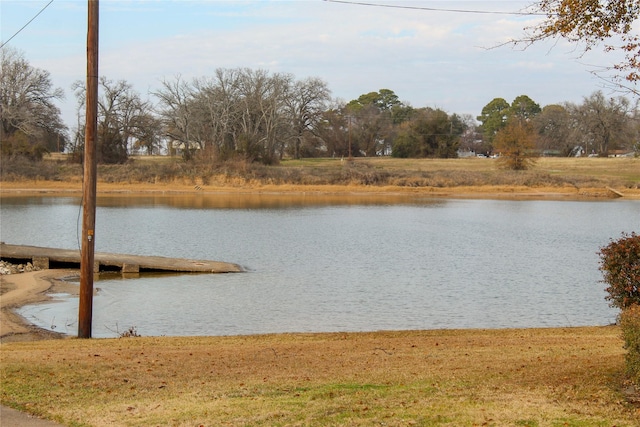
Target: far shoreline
x,y
502,192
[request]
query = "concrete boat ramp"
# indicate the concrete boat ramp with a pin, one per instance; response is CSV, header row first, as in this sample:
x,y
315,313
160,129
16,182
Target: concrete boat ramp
x,y
44,258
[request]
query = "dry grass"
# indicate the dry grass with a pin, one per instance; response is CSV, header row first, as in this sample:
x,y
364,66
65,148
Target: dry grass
x,y
536,377
577,175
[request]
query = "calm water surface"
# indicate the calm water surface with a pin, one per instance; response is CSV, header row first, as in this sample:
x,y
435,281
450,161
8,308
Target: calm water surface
x,y
335,263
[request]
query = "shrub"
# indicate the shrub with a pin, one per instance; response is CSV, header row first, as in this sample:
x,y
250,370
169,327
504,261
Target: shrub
x,y
132,332
516,145
18,168
630,324
620,265
20,144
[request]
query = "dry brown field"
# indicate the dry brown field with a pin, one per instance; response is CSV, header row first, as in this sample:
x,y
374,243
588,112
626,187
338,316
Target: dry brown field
x,y
469,177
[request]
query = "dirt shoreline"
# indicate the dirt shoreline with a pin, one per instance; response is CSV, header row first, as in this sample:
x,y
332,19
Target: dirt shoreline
x,y
30,188
17,290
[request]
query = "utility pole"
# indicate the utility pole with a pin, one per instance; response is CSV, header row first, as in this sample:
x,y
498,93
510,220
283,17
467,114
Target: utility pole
x,y
349,131
87,257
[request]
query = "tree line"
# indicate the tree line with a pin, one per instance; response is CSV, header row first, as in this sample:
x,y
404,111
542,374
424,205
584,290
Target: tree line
x,y
599,125
265,117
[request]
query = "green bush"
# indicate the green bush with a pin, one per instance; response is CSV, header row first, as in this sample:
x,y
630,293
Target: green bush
x,y
630,324
620,265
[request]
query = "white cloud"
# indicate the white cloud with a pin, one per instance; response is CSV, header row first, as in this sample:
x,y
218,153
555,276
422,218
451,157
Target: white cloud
x,y
531,65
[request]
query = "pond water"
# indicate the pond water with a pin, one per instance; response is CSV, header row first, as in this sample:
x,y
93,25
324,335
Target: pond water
x,y
324,264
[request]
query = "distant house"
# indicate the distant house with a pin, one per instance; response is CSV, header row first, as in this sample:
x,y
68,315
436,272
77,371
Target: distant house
x,y
621,153
178,147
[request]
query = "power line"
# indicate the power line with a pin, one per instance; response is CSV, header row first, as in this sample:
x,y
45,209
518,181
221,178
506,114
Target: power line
x,y
25,25
436,9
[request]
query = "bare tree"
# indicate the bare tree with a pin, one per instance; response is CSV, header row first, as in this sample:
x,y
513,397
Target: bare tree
x,y
555,129
147,131
305,104
218,105
604,124
471,139
333,130
262,119
175,99
122,115
30,119
241,112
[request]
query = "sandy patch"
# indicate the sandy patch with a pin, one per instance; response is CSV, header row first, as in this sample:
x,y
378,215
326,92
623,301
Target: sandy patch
x,y
17,290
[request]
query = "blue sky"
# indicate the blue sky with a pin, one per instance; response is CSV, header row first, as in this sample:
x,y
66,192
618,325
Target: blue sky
x,y
429,58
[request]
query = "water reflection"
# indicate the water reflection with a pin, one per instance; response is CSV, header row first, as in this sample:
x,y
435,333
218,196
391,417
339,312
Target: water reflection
x,y
260,201
227,200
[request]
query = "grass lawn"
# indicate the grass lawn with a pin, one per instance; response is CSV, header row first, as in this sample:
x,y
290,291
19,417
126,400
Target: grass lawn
x,y
528,377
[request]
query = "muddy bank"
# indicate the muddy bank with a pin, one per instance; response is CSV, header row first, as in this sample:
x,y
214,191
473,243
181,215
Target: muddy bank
x,y
21,289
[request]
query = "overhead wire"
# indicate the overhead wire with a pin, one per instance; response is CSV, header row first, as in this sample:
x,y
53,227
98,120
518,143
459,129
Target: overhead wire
x,y
356,3
25,25
436,9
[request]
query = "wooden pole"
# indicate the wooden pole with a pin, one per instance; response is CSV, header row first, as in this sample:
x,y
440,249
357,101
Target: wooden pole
x,y
85,311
